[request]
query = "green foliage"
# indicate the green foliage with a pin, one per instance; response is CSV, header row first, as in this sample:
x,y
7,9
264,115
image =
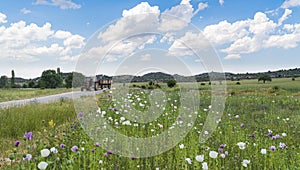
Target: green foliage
x,y
3,81
31,84
238,83
171,83
12,80
74,79
151,83
264,78
50,79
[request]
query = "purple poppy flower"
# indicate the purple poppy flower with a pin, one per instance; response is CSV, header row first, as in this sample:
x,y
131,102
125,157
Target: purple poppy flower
x,y
220,150
28,157
109,152
272,148
28,135
115,109
17,143
109,95
62,146
179,117
282,145
97,144
105,154
93,150
74,148
80,114
242,125
270,134
132,158
222,146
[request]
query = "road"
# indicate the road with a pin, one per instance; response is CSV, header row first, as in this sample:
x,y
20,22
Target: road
x,y
47,99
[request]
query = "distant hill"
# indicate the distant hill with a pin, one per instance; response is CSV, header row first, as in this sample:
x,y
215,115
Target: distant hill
x,y
163,77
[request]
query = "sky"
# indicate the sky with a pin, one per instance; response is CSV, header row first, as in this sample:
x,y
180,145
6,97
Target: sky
x,y
134,37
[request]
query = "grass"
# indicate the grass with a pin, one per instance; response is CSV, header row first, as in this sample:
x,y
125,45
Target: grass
x,y
18,94
254,111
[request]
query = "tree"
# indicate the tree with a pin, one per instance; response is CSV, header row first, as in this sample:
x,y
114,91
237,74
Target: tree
x,y
171,83
12,80
74,79
31,84
264,78
3,81
50,79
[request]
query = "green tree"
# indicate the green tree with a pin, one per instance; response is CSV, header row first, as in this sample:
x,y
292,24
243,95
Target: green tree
x,y
3,81
50,79
31,84
12,80
264,78
74,79
171,83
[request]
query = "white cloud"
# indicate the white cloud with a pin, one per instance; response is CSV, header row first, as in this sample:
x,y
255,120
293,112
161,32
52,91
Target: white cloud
x,y
290,3
202,6
177,17
188,45
145,57
221,2
30,42
62,4
141,18
285,16
25,11
232,56
3,18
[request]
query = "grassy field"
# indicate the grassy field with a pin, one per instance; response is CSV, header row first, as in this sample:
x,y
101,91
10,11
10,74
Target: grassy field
x,y
18,94
259,129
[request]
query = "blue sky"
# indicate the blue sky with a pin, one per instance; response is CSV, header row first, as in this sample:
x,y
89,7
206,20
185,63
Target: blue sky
x,y
247,36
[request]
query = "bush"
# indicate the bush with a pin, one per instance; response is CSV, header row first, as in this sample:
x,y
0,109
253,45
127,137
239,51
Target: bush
x,y
143,87
275,88
293,79
238,83
202,84
157,86
171,83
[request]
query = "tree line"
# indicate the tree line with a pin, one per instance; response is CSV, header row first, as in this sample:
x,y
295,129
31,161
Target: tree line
x,y
49,79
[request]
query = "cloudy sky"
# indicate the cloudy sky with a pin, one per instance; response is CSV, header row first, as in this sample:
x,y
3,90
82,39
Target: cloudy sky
x,y
247,36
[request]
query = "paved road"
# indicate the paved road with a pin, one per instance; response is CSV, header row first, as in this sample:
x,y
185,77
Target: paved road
x,y
47,99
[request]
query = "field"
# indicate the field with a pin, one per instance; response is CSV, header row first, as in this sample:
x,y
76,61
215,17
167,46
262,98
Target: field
x,y
259,129
18,94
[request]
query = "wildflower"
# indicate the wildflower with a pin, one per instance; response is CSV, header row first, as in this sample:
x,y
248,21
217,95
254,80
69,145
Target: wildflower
x,y
109,152
62,146
51,123
237,116
28,135
132,158
54,150
27,157
200,158
93,150
241,145
252,136
80,114
97,144
223,155
226,152
222,146
242,125
204,166
42,165
100,162
272,148
181,146
74,148
220,150
245,162
282,145
263,151
45,152
283,134
213,154
17,143
189,161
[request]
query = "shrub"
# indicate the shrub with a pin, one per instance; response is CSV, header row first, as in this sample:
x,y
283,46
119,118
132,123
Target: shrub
x,y
171,83
238,83
202,84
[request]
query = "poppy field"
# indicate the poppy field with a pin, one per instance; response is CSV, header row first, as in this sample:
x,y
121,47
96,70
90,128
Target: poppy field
x,y
259,129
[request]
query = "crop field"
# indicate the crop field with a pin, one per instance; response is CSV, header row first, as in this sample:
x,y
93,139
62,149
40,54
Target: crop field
x,y
259,129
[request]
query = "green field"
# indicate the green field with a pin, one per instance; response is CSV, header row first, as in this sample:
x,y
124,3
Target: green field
x,y
264,117
18,94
